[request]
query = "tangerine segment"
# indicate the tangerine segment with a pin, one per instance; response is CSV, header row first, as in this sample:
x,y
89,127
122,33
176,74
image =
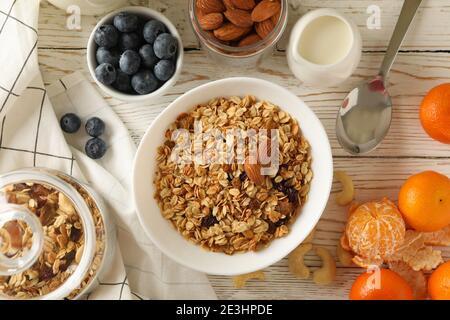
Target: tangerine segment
x,y
375,229
382,284
439,283
424,201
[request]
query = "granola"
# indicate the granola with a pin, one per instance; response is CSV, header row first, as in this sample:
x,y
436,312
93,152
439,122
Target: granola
x,y
217,205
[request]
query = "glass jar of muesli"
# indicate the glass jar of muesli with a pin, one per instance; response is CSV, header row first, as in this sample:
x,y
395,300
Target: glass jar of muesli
x,y
55,236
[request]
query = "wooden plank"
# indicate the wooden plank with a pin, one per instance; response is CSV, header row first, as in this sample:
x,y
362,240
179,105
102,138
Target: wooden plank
x,y
412,76
374,179
429,31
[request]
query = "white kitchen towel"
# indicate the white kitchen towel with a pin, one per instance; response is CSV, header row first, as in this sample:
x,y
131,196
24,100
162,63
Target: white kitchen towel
x,y
30,136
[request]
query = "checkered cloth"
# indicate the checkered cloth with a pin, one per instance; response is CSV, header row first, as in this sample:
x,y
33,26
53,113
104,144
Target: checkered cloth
x,y
30,136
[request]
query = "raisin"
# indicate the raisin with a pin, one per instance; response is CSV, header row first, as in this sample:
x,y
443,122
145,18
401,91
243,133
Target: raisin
x,y
38,190
272,227
75,234
254,204
292,194
230,177
281,222
243,176
20,187
69,257
209,221
46,273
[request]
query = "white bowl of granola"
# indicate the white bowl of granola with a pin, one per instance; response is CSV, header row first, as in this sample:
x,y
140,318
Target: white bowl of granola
x,y
218,217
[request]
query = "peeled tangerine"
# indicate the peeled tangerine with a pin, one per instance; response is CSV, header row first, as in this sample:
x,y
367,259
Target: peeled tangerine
x,y
374,231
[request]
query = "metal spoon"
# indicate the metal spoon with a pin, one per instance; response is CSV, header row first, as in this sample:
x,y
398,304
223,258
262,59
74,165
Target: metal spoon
x,y
365,115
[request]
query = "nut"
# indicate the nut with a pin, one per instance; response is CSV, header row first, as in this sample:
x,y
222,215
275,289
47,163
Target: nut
x,y
249,40
253,171
265,9
211,21
327,273
345,257
297,263
238,17
264,28
210,6
230,32
241,280
244,4
347,194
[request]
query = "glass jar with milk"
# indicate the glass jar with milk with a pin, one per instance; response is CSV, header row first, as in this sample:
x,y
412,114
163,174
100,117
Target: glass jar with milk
x,y
324,48
90,7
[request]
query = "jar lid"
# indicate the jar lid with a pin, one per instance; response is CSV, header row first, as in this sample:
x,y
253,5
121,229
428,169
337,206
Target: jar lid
x,y
47,236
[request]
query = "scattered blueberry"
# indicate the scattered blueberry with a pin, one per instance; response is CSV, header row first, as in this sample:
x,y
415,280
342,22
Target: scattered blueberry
x,y
144,82
70,123
123,82
165,46
130,62
95,148
95,127
105,73
105,55
106,36
148,57
126,22
152,30
164,70
129,41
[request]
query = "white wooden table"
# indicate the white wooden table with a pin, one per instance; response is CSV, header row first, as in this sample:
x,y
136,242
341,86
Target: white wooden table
x,y
423,63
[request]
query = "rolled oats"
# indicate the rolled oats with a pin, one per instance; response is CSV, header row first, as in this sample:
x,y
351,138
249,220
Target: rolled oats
x,y
216,205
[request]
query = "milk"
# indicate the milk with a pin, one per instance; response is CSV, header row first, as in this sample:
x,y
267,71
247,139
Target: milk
x,y
325,40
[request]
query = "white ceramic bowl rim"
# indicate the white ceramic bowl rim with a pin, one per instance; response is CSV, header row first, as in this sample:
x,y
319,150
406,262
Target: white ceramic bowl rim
x,y
170,242
92,62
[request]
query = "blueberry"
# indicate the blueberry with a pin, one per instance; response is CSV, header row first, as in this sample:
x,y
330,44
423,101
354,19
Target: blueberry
x,y
165,46
149,59
144,82
95,148
105,55
126,22
106,36
152,30
129,41
105,73
95,127
164,70
123,82
130,62
70,123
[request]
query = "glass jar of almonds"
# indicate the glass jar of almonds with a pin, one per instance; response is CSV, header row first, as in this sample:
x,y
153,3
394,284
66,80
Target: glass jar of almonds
x,y
55,236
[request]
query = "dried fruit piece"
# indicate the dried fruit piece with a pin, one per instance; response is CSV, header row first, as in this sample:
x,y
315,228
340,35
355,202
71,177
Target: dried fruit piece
x,y
210,6
230,32
345,257
253,171
327,273
249,40
347,194
238,17
296,261
241,280
211,21
244,4
265,9
416,279
264,28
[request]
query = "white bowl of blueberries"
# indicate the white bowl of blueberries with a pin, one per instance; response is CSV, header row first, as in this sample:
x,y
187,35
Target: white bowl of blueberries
x,y
135,54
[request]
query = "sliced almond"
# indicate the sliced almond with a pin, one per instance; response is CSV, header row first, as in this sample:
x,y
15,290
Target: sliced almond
x,y
249,40
238,17
265,9
230,32
263,29
244,4
210,6
211,21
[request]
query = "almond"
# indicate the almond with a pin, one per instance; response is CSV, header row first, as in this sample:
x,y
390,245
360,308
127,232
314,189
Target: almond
x,y
238,17
211,21
244,4
264,28
253,171
276,17
210,6
228,4
230,32
250,39
265,9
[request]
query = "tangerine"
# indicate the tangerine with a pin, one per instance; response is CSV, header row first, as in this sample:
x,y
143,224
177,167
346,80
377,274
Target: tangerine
x,y
375,230
439,283
424,201
382,284
435,113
